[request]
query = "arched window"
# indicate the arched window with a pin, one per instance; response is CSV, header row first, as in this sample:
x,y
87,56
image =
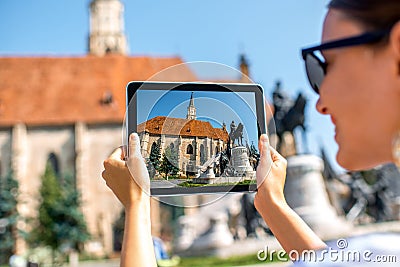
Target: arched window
x,y
202,154
216,150
171,146
153,146
189,149
154,151
53,161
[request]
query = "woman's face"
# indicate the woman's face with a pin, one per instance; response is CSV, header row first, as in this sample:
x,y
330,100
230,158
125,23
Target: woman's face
x,y
361,93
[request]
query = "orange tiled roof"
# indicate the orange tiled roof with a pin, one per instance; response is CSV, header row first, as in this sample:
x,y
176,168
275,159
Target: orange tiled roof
x,y
63,90
183,127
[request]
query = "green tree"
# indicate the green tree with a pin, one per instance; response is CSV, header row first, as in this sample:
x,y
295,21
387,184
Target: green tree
x,y
71,226
8,216
153,164
169,163
60,224
45,232
51,196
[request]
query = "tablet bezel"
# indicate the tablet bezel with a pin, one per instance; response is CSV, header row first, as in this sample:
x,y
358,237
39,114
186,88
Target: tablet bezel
x,y
131,122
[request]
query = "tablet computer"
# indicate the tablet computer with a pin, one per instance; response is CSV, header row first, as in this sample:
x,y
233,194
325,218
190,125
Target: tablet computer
x,y
197,138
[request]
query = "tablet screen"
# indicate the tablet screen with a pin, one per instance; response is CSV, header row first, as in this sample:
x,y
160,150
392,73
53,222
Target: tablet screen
x,y
197,137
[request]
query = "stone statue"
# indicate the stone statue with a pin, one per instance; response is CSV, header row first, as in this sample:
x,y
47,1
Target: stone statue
x,y
223,162
288,115
233,127
236,134
372,195
282,103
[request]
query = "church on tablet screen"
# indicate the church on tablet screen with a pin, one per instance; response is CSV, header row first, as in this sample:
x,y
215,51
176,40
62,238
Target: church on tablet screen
x,y
195,141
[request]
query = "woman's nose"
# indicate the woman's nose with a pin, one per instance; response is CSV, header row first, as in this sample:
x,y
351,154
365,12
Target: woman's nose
x,y
321,108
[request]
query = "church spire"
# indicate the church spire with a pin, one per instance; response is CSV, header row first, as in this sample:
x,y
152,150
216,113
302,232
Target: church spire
x,y
191,114
107,28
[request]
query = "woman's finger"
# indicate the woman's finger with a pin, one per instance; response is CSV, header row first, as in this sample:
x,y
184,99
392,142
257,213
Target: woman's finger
x,y
276,157
117,154
136,164
134,145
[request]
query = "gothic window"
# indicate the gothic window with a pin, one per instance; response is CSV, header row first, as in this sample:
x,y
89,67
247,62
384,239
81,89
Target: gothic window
x,y
153,147
216,150
171,146
189,149
202,154
53,161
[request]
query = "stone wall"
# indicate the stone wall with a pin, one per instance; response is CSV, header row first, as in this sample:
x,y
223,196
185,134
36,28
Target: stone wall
x,y
100,206
80,150
5,148
30,150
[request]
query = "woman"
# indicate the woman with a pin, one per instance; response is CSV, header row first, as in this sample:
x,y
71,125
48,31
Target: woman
x,y
358,79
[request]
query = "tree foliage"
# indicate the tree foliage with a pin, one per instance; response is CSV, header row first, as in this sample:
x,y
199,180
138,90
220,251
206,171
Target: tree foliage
x,y
154,161
49,210
169,163
60,224
8,216
71,227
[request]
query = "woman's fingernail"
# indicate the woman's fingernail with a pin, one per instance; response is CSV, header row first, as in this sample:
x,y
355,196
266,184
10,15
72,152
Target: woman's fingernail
x,y
133,136
264,138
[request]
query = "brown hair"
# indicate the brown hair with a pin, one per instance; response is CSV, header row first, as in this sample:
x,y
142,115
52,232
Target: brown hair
x,y
373,14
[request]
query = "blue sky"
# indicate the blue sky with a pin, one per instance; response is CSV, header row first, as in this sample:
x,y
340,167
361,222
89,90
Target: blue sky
x,y
270,33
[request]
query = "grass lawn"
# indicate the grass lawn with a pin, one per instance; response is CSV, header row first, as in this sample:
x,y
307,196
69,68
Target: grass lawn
x,y
217,262
191,184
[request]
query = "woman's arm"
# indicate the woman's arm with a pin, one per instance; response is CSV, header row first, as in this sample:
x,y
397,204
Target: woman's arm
x,y
137,247
291,231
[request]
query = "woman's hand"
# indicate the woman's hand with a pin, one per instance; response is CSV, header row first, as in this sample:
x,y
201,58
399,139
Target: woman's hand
x,y
129,180
271,175
291,231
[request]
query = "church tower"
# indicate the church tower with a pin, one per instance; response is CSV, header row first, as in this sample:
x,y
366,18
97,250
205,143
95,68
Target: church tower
x,y
107,28
244,69
191,114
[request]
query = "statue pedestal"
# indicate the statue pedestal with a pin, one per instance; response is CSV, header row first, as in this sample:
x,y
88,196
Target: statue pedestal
x,y
217,235
240,162
306,194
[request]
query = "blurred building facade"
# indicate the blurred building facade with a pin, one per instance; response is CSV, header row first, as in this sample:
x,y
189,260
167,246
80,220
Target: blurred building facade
x,y
69,111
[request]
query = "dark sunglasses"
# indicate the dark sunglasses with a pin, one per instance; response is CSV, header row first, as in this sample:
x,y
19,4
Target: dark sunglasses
x,y
316,65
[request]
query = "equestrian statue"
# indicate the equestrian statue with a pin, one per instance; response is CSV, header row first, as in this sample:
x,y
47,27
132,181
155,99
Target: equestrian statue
x,y
288,115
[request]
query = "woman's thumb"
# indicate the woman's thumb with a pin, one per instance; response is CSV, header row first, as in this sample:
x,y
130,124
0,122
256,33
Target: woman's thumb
x,y
134,145
265,162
